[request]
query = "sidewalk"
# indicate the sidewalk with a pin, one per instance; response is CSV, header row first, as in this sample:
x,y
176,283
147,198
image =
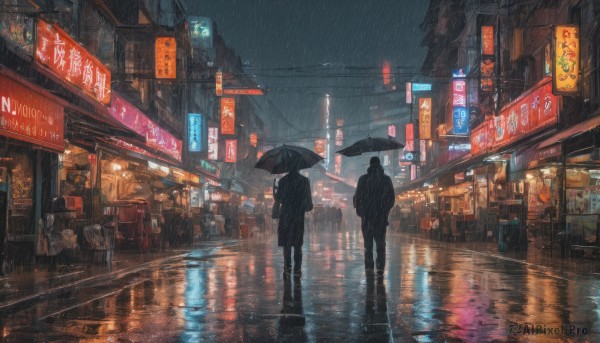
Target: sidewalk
x,y
31,283
541,259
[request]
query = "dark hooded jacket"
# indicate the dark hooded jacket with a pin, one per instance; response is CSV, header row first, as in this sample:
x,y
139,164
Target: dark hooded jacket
x,y
294,194
374,196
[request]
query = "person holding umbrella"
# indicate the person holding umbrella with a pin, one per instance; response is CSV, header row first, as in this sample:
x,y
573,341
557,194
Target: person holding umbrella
x,y
373,200
294,195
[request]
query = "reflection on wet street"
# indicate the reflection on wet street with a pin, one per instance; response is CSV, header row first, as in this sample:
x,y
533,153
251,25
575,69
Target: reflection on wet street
x,y
431,292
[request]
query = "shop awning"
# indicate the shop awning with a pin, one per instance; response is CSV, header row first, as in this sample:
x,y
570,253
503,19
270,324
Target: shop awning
x,y
120,146
575,130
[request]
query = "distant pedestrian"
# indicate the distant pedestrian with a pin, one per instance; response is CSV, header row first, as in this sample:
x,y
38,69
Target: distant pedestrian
x,y
339,218
294,195
373,201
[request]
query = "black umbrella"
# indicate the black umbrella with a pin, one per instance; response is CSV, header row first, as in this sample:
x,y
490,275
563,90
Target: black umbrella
x,y
287,157
371,144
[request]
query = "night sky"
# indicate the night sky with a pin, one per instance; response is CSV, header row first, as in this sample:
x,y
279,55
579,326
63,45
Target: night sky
x,y
358,35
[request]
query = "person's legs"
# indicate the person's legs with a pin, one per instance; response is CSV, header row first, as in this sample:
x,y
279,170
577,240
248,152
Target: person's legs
x,y
367,232
287,259
297,259
379,235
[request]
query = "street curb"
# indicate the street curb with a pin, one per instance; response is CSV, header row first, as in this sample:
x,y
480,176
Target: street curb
x,y
106,276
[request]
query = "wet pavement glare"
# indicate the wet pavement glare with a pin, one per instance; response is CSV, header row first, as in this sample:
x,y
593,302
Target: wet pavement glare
x,y
431,292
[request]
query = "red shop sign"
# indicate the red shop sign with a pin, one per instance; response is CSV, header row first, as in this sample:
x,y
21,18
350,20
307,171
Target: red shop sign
x,y
156,137
30,116
536,109
56,50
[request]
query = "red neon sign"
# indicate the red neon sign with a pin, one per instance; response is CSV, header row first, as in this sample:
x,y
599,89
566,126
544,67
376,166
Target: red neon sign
x,y
156,137
243,91
29,116
228,116
56,50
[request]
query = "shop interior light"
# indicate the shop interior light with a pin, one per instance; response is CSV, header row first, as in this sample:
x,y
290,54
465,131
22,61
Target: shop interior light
x,y
116,166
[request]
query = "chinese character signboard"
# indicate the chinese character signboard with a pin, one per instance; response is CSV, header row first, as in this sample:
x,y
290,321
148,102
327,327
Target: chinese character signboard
x,y
29,116
195,132
409,93
213,143
156,137
459,92
460,121
486,70
219,83
253,139
231,150
425,118
565,66
534,110
228,116
488,60
165,58
56,50
487,40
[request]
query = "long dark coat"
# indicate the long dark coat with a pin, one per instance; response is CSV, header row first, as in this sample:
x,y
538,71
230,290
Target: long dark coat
x,y
294,194
374,197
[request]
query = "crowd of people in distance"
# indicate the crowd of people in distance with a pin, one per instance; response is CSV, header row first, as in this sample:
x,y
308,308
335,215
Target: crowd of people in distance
x,y
326,217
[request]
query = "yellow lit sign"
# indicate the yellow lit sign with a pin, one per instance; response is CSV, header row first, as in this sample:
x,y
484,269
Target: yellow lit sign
x,y
565,66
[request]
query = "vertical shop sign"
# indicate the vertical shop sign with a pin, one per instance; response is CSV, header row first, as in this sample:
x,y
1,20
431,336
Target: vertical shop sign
x,y
320,145
486,70
165,58
339,136
409,93
213,143
254,139
460,121
231,150
488,60
386,72
228,116
219,83
56,50
195,132
29,116
409,130
392,131
565,66
425,118
201,32
459,92
487,40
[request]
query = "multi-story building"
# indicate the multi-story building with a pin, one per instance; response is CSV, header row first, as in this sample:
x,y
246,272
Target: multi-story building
x,y
531,143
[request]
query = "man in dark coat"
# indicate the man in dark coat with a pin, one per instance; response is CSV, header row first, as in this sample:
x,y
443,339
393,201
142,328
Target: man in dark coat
x,y
373,200
294,195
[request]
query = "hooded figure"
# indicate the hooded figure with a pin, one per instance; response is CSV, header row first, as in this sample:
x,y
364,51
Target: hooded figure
x,y
294,194
373,200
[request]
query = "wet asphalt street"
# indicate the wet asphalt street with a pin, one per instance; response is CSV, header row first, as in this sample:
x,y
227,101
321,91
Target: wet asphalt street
x,y
236,293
